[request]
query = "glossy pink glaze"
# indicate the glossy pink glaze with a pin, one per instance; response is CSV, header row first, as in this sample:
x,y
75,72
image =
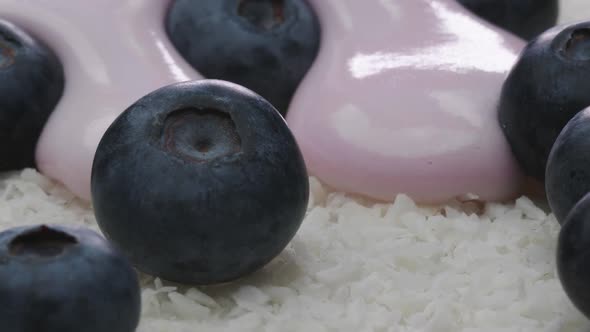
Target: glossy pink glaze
x,y
400,99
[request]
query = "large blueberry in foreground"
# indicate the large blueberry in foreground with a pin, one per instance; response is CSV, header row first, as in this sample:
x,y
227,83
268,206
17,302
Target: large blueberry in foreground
x,y
199,182
525,18
31,84
573,255
265,45
547,86
55,278
568,170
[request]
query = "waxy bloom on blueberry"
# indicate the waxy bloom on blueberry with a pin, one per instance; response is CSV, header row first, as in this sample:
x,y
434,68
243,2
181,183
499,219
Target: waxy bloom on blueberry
x,y
57,278
265,45
199,182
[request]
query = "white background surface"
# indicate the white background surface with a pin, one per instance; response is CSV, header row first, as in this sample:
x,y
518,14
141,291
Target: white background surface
x,y
572,10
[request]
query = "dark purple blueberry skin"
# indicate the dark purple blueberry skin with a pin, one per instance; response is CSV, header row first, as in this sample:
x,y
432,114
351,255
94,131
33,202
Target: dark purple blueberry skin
x,y
199,182
57,278
264,45
568,170
573,255
31,84
524,18
546,87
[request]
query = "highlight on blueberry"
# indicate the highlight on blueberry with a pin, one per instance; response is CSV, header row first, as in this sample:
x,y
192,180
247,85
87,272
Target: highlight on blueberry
x,y
58,278
573,255
199,182
31,84
567,179
546,87
524,18
265,45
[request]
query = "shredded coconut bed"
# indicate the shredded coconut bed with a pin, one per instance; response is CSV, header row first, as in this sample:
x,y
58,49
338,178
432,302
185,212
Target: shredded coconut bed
x,y
359,266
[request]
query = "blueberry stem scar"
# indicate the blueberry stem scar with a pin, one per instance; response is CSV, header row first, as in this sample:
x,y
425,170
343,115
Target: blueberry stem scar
x,y
200,135
248,9
41,241
7,55
578,46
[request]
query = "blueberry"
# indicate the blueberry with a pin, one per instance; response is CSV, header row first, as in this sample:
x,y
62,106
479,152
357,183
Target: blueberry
x,y
568,170
56,278
199,182
31,84
265,45
524,18
546,87
573,255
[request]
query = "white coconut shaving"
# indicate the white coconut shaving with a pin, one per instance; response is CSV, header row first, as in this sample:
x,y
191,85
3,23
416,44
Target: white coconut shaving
x,y
359,266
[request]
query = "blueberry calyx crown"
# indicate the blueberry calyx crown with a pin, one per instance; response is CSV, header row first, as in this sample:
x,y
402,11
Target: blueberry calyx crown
x,y
200,135
41,241
8,50
265,14
577,46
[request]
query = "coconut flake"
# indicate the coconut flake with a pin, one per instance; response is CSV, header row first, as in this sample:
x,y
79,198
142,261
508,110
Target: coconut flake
x,y
357,266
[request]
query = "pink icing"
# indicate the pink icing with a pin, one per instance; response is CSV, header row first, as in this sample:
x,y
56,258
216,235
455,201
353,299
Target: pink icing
x,y
401,97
